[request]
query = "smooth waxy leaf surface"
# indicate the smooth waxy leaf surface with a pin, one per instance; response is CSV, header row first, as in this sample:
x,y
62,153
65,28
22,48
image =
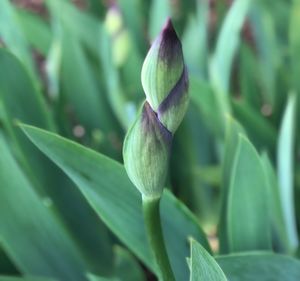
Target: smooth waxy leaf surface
x,y
233,130
203,265
248,220
280,241
285,155
106,186
260,267
33,237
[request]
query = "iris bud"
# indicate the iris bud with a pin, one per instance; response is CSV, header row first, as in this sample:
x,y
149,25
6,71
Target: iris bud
x,y
147,144
164,78
146,153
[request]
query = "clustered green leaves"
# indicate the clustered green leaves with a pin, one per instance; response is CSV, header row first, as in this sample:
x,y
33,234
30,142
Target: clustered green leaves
x,y
70,90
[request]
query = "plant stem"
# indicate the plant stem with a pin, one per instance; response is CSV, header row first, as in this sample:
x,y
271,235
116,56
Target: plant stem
x,y
155,237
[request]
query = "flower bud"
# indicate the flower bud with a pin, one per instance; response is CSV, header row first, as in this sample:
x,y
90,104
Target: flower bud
x,y
146,153
147,144
164,78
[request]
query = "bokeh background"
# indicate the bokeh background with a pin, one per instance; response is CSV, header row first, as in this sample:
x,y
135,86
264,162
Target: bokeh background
x,y
84,61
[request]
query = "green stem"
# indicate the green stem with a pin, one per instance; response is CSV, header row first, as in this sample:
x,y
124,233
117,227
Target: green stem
x,y
155,237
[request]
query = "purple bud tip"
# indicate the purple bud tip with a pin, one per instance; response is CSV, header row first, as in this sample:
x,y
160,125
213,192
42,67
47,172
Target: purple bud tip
x,y
170,46
168,27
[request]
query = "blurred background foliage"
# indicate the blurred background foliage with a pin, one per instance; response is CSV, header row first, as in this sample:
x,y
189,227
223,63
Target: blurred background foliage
x,y
73,67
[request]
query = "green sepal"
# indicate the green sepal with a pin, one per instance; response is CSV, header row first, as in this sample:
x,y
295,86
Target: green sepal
x,y
146,153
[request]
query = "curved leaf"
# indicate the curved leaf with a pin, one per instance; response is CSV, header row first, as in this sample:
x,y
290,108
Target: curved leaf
x,y
106,186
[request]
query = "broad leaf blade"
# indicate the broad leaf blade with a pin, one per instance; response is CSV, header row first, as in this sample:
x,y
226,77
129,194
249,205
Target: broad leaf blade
x,y
106,186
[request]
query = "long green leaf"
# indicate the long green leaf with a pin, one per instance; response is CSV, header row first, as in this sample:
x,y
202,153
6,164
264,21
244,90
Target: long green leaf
x,y
195,40
233,130
85,92
227,44
285,166
22,102
249,226
33,237
12,34
160,10
260,267
116,94
35,29
203,265
279,231
294,38
267,49
106,186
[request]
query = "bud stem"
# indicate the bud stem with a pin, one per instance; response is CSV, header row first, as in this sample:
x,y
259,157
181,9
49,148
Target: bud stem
x,y
155,238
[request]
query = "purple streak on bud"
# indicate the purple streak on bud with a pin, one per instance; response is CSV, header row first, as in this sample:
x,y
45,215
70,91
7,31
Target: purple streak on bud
x,y
174,97
170,50
152,125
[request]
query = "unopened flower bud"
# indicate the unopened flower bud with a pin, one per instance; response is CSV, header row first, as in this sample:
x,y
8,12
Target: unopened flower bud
x,y
147,145
164,78
146,153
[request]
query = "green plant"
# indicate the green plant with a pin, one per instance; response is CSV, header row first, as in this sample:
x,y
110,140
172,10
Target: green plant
x,y
147,144
221,203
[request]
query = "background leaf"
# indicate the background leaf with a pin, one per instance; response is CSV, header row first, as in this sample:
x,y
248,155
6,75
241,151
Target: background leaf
x,y
259,267
249,226
285,160
22,102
